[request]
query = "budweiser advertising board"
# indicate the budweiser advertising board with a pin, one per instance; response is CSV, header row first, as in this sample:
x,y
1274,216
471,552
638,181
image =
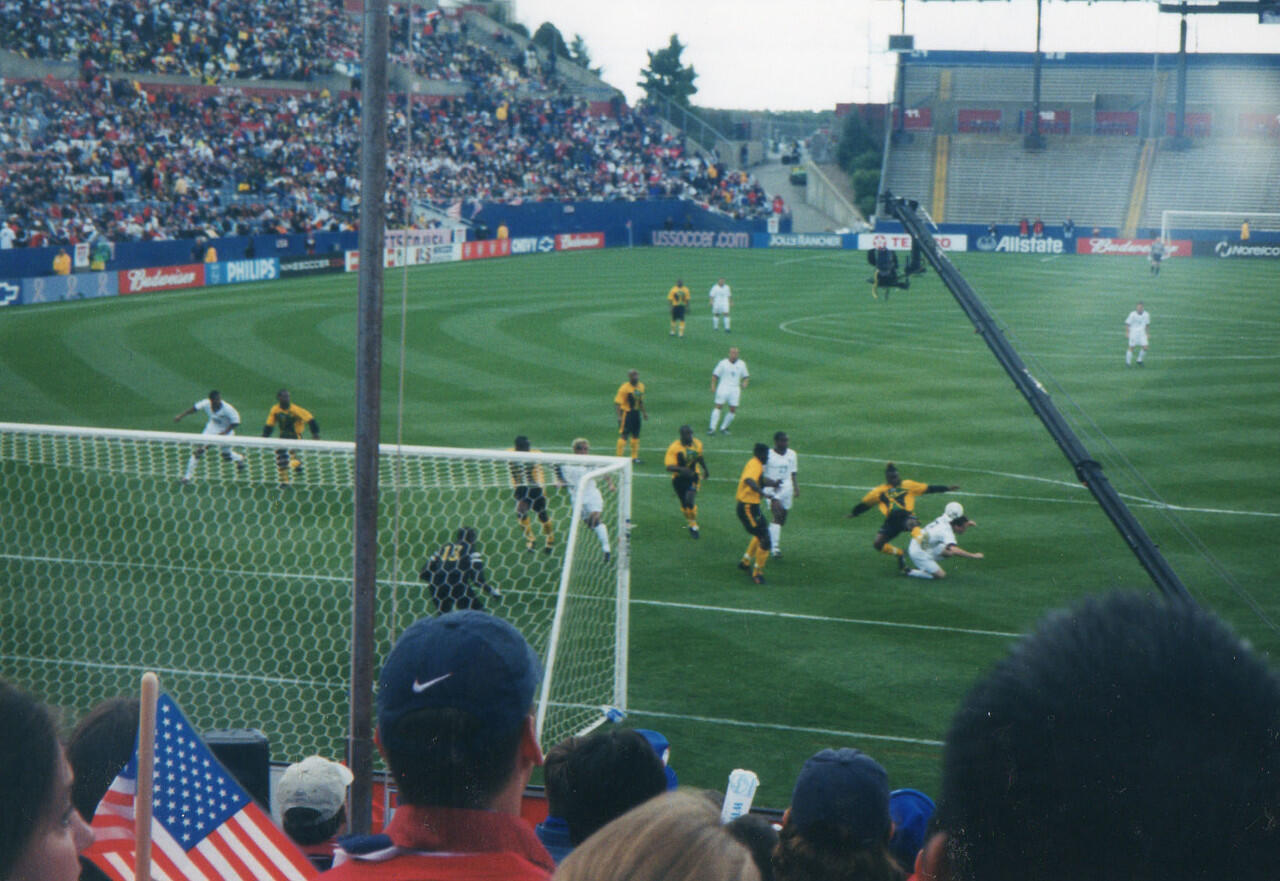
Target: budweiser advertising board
x,y
574,241
1131,247
161,278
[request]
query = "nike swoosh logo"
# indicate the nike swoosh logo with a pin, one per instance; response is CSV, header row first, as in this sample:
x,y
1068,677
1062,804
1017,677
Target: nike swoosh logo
x,y
420,687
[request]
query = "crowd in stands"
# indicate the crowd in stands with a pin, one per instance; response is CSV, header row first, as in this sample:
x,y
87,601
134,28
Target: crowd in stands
x,y
109,158
1128,737
209,39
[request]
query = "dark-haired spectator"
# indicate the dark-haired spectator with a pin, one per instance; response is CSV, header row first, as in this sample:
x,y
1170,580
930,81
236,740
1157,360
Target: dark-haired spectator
x,y
760,837
41,833
593,779
98,750
1125,738
837,827
455,725
312,799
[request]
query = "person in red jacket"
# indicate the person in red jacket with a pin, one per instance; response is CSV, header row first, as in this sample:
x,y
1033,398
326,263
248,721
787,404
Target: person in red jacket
x,y
456,727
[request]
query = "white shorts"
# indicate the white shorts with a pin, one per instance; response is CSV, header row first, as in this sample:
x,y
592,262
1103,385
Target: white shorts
x,y
719,310
784,494
592,502
922,559
1138,338
210,428
730,396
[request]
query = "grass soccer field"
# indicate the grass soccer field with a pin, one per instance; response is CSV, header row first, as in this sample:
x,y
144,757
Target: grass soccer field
x,y
836,649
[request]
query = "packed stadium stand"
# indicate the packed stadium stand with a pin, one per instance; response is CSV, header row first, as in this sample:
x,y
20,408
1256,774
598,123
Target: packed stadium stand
x,y
1110,155
176,156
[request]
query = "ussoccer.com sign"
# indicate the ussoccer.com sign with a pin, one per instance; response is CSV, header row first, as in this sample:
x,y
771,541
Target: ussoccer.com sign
x,y
700,238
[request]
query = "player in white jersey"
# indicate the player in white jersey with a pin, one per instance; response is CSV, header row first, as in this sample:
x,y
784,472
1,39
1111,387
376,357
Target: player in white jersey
x,y
727,381
592,500
781,466
1136,327
938,540
720,297
223,419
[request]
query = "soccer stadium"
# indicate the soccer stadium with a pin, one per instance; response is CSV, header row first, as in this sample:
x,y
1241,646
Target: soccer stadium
x,y
1031,326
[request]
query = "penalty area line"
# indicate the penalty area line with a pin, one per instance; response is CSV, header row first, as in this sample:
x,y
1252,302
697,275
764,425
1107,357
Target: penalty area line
x,y
826,619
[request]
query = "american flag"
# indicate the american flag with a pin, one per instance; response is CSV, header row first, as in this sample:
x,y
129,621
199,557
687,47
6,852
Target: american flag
x,y
205,827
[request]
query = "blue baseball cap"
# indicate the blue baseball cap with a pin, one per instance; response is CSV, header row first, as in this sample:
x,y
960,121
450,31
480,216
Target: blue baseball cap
x,y
911,811
845,788
466,660
662,747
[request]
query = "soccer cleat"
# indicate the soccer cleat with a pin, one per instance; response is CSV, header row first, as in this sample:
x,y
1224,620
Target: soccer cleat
x,y
492,591
548,549
637,461
242,466
744,565
529,546
777,555
608,557
902,563
906,572
711,431
724,431
693,531
296,465
757,578
185,481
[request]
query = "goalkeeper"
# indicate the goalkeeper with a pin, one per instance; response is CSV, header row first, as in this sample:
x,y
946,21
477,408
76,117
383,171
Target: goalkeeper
x,y
453,570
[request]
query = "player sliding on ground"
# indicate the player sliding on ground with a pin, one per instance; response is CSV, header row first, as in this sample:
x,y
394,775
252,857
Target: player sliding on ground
x,y
939,540
896,499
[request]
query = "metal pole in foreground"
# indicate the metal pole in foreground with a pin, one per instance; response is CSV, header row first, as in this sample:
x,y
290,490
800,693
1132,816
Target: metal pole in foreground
x,y
373,185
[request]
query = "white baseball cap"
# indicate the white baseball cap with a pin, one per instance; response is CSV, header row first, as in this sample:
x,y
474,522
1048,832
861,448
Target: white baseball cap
x,y
954,511
315,783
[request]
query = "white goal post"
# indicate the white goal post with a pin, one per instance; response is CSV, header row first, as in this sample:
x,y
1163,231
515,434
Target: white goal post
x,y
1174,220
237,589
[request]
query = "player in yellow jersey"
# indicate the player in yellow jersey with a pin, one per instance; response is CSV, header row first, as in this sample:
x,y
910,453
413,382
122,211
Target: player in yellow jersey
x,y
527,481
628,404
751,485
896,499
290,418
683,459
678,297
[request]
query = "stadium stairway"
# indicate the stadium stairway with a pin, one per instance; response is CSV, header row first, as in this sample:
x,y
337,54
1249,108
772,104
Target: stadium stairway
x,y
773,176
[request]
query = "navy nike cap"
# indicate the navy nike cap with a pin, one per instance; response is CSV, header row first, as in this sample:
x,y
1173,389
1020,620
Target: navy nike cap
x,y
467,660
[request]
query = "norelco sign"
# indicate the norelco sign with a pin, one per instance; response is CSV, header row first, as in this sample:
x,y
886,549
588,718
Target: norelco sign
x,y
1226,249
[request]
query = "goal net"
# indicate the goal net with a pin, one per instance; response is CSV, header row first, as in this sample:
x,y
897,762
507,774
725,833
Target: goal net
x,y
1175,223
237,590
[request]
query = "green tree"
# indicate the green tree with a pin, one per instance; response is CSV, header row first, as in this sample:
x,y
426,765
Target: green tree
x,y
547,38
856,140
579,55
667,75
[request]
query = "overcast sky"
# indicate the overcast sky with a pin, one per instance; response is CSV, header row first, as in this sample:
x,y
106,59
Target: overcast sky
x,y
811,54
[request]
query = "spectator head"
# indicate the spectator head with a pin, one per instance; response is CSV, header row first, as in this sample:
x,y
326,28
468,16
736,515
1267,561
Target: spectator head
x,y
41,833
760,837
594,779
312,796
99,748
910,811
454,712
1126,737
838,825
662,747
674,837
